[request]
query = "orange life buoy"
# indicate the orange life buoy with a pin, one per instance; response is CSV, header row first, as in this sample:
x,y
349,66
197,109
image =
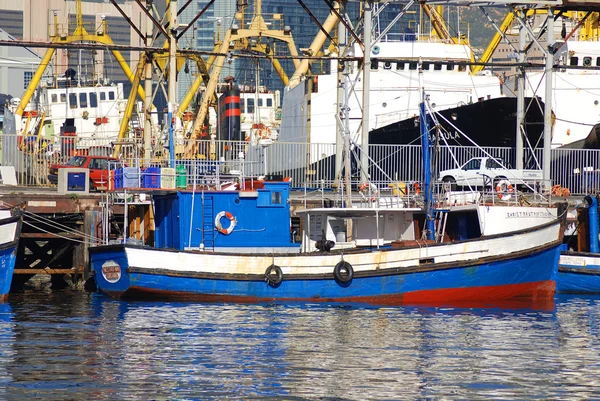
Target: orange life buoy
x,y
219,226
506,192
417,188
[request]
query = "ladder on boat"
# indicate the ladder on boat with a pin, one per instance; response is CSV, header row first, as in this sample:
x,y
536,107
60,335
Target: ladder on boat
x,y
441,219
208,229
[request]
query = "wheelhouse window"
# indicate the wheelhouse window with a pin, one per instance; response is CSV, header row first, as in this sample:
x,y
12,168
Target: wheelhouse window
x,y
399,66
412,65
83,100
102,96
54,98
72,100
269,102
111,95
450,67
63,98
93,99
276,198
250,106
574,60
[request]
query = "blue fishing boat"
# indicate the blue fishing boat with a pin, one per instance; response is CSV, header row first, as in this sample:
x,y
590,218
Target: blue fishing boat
x,y
10,230
236,246
579,267
230,246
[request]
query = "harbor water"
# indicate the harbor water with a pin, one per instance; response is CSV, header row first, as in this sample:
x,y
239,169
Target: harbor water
x,y
82,346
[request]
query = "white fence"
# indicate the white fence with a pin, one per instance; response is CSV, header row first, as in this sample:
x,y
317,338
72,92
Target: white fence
x,y
311,166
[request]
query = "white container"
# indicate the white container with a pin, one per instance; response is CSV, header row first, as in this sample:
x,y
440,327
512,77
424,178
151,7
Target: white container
x,y
167,178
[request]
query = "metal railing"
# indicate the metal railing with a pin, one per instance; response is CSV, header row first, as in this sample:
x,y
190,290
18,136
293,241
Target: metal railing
x,y
309,166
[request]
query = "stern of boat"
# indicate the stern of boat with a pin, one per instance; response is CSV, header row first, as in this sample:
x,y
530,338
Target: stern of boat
x,y
109,264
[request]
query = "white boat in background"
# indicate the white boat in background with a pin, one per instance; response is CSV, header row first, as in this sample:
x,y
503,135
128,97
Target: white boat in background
x,y
575,94
310,116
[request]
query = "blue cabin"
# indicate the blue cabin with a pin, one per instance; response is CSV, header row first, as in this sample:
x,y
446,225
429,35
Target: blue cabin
x,y
233,221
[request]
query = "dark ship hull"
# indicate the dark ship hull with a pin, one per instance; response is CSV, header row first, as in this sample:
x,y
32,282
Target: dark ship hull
x,y
487,123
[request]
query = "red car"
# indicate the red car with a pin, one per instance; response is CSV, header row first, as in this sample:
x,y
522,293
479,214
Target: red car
x,y
98,165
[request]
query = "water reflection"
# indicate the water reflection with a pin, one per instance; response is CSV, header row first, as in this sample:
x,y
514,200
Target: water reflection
x,y
82,346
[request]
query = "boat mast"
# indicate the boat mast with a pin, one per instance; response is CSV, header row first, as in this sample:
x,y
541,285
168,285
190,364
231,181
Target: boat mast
x,y
520,95
364,153
429,229
548,100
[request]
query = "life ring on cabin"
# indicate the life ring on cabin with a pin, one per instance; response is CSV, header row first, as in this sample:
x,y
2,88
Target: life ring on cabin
x,y
367,188
219,226
504,189
343,272
274,275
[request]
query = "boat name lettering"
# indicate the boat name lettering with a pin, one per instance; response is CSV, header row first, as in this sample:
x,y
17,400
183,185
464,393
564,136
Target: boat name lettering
x,y
527,215
571,261
111,271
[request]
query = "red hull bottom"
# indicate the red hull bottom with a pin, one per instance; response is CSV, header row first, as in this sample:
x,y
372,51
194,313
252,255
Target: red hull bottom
x,y
538,295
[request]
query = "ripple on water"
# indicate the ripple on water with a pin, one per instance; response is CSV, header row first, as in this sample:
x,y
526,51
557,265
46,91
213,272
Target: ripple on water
x,y
86,346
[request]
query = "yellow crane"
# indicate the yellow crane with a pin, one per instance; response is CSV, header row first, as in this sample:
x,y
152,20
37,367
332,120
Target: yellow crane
x,y
254,38
78,35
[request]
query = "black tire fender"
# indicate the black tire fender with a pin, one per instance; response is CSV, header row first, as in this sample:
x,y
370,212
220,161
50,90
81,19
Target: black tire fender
x,y
274,275
343,272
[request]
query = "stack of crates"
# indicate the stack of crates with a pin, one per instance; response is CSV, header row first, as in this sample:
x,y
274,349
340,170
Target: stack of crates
x,y
116,178
131,177
151,177
167,178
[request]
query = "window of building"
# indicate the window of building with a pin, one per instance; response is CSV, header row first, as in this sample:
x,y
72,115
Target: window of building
x,y
54,98
63,97
111,95
269,102
102,96
260,102
72,100
27,77
250,106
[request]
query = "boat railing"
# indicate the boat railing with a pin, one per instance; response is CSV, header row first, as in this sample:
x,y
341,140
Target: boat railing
x,y
527,193
311,166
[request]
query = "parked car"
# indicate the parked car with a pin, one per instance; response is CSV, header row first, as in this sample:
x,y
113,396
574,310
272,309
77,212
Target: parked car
x,y
98,166
478,170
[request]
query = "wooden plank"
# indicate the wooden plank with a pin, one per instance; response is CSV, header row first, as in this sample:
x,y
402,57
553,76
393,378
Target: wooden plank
x,y
43,236
45,271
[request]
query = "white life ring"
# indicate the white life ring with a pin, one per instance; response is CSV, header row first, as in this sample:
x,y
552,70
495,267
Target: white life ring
x,y
504,189
219,226
367,187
